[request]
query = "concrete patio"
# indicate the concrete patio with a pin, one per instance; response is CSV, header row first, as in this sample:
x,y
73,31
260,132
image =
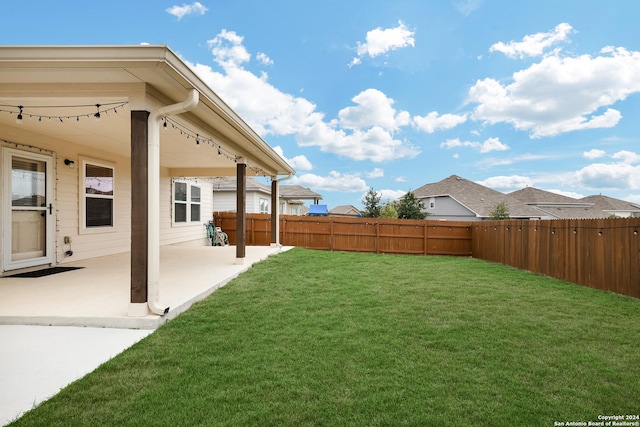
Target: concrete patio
x,y
98,295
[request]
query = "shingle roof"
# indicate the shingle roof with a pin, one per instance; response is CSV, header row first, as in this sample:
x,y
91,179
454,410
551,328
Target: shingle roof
x,y
230,183
608,204
478,198
532,195
344,210
298,192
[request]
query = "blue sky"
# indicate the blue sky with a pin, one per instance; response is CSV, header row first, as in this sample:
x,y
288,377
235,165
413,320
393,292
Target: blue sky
x,y
396,94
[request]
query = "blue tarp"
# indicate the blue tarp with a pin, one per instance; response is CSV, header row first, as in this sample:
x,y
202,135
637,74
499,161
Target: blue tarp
x,y
318,210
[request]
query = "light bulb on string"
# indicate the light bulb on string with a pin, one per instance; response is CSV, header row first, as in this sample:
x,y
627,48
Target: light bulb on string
x,y
97,114
19,118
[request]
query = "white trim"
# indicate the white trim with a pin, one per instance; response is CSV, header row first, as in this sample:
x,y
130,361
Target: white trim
x,y
188,202
82,202
7,226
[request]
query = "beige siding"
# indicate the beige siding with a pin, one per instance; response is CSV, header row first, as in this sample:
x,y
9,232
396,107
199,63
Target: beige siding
x,y
90,243
224,201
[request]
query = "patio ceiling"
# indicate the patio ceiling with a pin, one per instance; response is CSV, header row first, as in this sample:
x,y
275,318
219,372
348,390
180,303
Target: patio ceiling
x,y
65,84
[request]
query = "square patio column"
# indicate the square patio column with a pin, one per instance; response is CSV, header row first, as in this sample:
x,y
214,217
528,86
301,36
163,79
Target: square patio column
x,y
241,211
139,213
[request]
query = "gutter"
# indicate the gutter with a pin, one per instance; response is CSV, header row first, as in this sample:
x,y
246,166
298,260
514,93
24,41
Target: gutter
x,y
153,197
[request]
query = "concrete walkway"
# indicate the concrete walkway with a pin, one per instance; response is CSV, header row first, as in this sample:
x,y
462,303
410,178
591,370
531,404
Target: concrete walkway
x,y
37,361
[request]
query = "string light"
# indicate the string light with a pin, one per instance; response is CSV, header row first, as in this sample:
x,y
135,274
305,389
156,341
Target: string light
x,y
25,111
200,139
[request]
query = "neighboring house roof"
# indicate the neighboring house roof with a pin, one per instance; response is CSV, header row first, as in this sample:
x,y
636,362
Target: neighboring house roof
x,y
294,194
558,206
345,210
298,192
229,183
610,206
477,198
532,195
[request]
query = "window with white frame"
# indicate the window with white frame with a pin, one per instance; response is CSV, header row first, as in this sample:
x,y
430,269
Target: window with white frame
x,y
98,201
264,206
186,202
282,211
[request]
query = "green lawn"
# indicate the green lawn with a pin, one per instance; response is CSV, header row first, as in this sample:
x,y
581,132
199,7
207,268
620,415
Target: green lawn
x,y
350,339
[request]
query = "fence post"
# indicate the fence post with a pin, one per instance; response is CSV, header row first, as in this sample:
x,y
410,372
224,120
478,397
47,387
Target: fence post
x,y
377,243
425,229
331,234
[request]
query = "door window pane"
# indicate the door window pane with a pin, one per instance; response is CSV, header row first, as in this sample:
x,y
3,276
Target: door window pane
x,y
28,182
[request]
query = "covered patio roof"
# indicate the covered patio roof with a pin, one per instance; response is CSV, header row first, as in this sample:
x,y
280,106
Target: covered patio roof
x,y
60,87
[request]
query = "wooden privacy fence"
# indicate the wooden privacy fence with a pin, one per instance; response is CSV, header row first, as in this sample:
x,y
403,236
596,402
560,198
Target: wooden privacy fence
x,y
598,253
379,235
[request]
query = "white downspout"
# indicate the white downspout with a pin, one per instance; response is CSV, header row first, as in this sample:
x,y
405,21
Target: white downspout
x,y
153,197
278,201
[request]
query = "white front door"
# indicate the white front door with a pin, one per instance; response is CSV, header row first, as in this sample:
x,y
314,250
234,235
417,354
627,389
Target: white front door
x,y
27,209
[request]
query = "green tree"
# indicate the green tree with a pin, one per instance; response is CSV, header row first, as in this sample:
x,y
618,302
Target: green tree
x,y
389,210
371,204
500,211
410,207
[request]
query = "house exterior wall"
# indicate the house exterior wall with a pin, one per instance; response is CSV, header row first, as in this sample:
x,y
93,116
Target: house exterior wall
x,y
85,243
225,201
68,193
190,233
447,208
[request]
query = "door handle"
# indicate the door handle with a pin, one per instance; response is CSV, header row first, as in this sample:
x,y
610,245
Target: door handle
x,y
50,209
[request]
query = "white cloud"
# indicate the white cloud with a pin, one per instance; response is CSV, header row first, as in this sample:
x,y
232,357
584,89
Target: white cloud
x,y
335,181
373,108
375,173
506,183
633,198
559,95
228,50
491,144
370,124
375,144
434,121
298,162
400,179
465,7
627,157
566,193
609,175
390,195
593,154
179,12
381,41
535,44
263,58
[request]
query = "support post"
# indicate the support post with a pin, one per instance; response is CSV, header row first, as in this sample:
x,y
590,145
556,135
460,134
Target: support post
x,y
241,212
139,211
